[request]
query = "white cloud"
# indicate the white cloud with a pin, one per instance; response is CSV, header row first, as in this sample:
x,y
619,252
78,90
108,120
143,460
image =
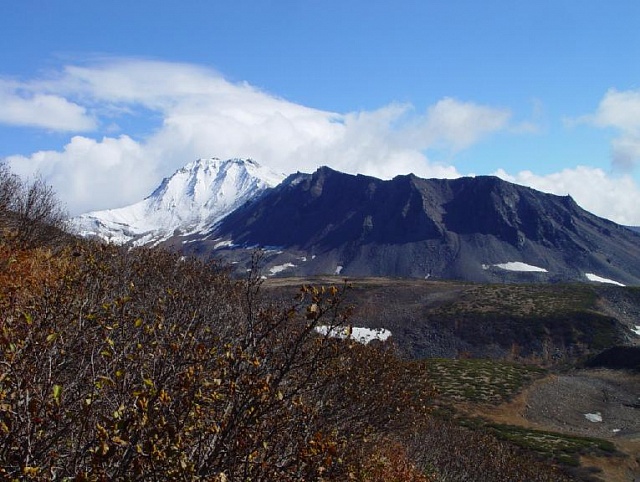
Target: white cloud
x,y
21,107
106,173
200,114
613,197
620,110
459,124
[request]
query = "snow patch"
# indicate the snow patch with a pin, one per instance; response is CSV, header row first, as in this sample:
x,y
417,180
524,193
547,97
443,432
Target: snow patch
x,y
637,330
339,269
280,268
361,335
519,266
221,244
593,417
600,279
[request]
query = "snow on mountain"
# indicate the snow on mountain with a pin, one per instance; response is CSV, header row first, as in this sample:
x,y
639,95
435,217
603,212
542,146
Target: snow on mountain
x,y
600,279
193,199
520,266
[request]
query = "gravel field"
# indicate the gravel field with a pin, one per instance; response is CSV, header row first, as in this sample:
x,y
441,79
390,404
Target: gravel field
x,y
611,397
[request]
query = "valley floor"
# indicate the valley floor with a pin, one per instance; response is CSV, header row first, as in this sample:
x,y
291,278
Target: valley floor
x,y
561,403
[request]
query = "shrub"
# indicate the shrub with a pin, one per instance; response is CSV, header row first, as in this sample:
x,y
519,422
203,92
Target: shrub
x,y
141,365
31,213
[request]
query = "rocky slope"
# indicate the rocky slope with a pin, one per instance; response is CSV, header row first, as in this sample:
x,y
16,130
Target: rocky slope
x,y
478,229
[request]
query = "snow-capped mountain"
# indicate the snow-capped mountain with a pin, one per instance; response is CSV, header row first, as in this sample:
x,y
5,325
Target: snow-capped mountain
x,y
192,200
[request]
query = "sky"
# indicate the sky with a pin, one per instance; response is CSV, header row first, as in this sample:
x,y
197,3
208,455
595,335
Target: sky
x,y
104,99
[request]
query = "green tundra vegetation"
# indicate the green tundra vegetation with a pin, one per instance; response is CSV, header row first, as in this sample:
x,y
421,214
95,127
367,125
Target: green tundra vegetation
x,y
139,364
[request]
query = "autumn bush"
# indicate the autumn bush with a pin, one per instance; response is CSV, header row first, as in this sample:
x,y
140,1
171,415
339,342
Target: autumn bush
x,y
141,365
30,212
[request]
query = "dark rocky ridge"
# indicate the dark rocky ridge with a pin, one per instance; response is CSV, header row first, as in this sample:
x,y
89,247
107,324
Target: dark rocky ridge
x,y
413,227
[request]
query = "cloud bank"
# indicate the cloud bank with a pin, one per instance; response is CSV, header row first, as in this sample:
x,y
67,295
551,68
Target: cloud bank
x,y
131,122
200,114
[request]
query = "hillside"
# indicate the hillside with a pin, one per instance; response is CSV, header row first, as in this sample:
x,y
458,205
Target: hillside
x,y
511,360
551,324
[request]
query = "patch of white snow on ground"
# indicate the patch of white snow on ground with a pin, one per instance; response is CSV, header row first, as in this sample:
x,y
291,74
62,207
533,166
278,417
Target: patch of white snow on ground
x,y
361,335
637,330
600,279
339,269
222,244
520,266
278,269
593,417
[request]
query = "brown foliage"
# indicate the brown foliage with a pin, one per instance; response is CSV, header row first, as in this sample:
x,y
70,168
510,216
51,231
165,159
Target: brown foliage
x,y
461,454
140,365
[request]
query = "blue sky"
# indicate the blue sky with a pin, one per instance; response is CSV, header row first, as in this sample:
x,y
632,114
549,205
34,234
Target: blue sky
x,y
103,99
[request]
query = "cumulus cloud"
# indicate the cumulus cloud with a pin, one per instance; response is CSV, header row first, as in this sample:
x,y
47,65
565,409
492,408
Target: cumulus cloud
x,y
620,110
92,173
460,124
613,197
198,113
21,106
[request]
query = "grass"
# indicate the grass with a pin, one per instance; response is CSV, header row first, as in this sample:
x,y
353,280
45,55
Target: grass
x,y
484,381
560,448
523,300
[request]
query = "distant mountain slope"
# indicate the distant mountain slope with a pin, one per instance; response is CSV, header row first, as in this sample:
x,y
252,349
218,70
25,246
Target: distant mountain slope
x,y
191,200
479,229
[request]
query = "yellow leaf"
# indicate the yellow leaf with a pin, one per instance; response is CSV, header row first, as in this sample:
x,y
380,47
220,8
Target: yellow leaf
x,y
27,318
119,441
31,471
57,393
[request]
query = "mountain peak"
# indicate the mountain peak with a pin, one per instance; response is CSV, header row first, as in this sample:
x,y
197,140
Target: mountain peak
x,y
204,163
193,198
